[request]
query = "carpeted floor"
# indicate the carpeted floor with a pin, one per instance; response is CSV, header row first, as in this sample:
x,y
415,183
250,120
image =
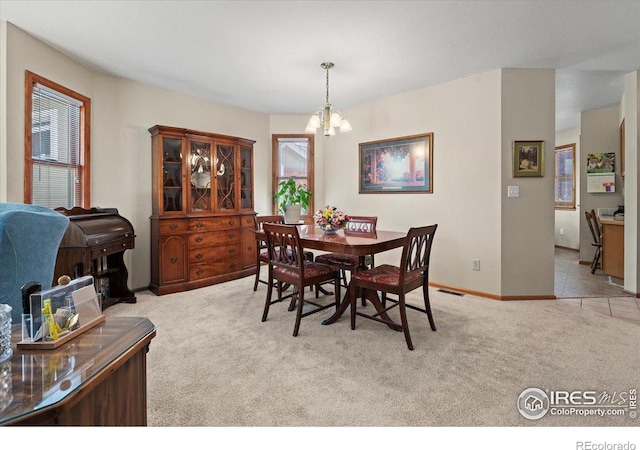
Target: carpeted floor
x,y
214,363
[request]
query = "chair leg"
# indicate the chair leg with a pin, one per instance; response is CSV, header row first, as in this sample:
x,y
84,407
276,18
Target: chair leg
x,y
300,290
427,306
403,319
596,260
294,297
267,303
255,283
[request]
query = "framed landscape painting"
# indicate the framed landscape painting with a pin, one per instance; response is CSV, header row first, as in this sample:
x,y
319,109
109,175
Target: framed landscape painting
x,y
397,165
528,158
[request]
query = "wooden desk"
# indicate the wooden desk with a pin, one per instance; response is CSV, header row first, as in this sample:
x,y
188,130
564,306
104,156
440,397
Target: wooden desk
x,y
314,238
97,378
612,247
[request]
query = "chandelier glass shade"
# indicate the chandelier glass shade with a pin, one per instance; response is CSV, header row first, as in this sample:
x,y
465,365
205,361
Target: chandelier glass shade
x,y
326,117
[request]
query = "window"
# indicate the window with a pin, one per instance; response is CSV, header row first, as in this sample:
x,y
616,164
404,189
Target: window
x,y
566,177
292,157
56,144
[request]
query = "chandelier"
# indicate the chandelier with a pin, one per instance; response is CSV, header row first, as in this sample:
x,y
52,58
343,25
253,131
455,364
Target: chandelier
x,y
327,116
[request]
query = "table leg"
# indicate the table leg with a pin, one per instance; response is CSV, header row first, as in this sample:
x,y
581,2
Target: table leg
x,y
375,301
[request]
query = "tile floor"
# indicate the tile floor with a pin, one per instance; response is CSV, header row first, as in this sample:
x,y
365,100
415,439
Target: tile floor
x,y
575,284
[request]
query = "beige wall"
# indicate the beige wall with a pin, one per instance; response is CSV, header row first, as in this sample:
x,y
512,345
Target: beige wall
x,y
528,113
569,221
472,167
464,117
122,112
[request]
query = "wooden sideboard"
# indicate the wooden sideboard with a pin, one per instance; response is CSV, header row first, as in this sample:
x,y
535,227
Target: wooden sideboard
x,y
97,378
612,247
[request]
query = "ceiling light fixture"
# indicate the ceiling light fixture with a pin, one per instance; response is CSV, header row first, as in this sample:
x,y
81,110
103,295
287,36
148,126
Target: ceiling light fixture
x,y
327,116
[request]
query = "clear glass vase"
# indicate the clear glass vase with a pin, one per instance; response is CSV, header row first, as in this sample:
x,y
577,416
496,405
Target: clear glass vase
x,y
5,332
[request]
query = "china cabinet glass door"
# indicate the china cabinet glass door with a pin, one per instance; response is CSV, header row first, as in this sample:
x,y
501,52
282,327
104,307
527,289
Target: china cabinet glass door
x,y
200,175
172,175
225,177
246,178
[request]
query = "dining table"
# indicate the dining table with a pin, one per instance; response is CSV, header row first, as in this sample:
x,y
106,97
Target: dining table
x,y
359,244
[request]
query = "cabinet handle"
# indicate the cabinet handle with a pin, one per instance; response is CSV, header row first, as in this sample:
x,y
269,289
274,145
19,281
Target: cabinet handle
x,y
232,250
173,226
249,220
199,272
199,239
124,245
250,248
232,266
104,250
173,260
199,255
232,222
231,235
199,224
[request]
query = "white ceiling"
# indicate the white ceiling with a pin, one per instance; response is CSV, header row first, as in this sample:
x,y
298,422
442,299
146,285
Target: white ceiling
x,y
265,55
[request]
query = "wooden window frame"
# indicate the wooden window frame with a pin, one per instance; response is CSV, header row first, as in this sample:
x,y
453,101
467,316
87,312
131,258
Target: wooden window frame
x,y
307,218
84,168
566,206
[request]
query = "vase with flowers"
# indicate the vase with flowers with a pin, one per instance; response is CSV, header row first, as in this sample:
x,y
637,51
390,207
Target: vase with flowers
x,y
330,220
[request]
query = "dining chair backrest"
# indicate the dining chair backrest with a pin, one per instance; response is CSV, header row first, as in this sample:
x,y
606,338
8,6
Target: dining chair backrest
x,y
592,221
261,220
285,249
361,225
416,252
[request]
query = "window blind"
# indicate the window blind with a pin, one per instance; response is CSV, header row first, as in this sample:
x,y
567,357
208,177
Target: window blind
x,y
55,144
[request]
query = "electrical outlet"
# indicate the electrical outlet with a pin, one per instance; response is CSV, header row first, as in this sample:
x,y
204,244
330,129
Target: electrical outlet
x,y
513,191
476,264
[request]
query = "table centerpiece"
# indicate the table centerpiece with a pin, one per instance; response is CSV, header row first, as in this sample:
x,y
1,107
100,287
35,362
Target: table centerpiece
x,y
330,220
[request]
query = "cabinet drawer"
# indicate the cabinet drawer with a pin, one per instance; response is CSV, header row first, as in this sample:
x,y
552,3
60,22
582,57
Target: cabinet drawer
x,y
247,222
214,223
173,226
112,247
213,254
199,271
209,239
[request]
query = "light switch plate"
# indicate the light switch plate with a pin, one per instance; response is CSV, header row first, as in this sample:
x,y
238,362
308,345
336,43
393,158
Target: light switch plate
x,y
513,191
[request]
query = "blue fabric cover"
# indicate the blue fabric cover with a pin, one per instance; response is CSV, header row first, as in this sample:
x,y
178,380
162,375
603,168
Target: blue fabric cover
x,y
29,239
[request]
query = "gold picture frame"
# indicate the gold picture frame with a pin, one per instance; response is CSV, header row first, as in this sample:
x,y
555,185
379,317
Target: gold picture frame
x,y
528,158
397,165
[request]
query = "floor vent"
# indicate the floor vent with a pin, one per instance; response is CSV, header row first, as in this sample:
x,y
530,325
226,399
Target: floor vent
x,y
451,292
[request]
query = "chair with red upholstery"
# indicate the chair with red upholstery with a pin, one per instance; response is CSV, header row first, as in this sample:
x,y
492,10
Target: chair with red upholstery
x,y
287,265
356,226
262,256
412,273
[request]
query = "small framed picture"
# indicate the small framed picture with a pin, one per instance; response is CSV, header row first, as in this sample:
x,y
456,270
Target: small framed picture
x,y
528,158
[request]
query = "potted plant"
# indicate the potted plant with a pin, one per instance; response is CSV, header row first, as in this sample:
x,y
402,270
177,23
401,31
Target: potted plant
x,y
291,199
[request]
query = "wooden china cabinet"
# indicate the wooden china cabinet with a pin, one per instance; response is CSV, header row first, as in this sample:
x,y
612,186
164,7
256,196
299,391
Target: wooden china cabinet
x,y
202,209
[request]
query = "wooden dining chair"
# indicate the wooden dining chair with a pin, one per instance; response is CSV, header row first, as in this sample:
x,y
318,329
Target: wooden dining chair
x,y
412,273
596,234
262,256
356,226
288,265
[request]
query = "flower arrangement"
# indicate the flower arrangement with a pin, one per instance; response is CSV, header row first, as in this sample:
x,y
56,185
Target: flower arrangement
x,y
330,219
